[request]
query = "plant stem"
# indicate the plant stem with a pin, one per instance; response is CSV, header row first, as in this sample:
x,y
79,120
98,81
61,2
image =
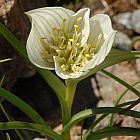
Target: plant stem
x,y
70,92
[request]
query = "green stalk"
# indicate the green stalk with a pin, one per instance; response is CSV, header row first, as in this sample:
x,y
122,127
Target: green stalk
x,y
70,92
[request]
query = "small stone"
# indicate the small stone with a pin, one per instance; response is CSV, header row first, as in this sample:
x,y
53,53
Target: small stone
x,y
122,41
129,19
135,21
124,19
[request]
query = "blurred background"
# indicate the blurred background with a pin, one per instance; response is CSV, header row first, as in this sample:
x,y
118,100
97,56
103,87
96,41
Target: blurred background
x,y
95,91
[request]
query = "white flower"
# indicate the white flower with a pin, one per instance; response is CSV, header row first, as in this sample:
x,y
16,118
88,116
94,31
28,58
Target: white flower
x,y
69,43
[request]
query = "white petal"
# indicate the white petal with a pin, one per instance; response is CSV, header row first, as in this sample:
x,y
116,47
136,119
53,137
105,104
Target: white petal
x,y
100,24
43,21
35,51
69,25
65,75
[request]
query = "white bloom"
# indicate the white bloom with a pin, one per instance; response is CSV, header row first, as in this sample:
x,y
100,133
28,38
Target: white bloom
x,y
69,43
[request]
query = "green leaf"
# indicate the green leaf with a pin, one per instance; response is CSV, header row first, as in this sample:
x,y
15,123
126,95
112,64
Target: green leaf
x,y
13,40
30,126
102,117
28,110
8,136
114,131
9,119
114,57
4,60
126,103
101,110
121,82
124,92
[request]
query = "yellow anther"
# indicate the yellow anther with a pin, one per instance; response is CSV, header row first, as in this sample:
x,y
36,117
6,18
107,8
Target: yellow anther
x,y
77,44
71,40
79,34
58,51
79,19
63,40
76,27
69,43
99,37
64,67
75,68
87,55
63,37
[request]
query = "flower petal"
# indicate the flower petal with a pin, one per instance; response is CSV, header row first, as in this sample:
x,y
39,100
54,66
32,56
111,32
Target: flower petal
x,y
84,27
100,24
43,21
35,51
65,75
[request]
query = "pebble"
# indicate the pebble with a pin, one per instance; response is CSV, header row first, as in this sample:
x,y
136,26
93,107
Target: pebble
x,y
124,19
129,19
135,21
122,41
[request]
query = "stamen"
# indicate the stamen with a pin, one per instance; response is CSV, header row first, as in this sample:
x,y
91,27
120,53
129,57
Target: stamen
x,y
79,34
66,46
49,57
79,19
97,41
71,40
64,67
76,27
43,42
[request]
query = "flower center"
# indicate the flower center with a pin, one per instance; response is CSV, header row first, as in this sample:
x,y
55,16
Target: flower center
x,y
66,46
